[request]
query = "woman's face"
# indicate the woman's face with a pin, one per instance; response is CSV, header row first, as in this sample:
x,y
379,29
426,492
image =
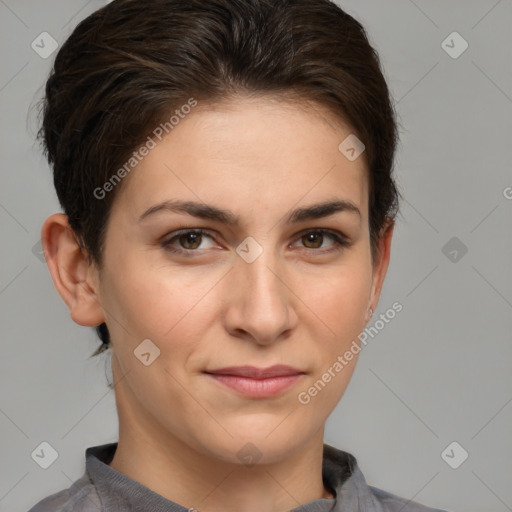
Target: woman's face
x,y
267,288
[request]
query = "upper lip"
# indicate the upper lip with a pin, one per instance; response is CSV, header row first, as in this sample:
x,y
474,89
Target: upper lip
x,y
277,370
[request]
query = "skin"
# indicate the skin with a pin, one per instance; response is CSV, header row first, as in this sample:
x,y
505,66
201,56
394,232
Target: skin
x,y
296,304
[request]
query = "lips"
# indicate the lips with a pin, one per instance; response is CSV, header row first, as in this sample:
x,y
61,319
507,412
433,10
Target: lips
x,y
257,383
252,372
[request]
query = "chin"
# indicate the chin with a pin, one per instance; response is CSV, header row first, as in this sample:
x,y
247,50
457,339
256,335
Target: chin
x,y
251,446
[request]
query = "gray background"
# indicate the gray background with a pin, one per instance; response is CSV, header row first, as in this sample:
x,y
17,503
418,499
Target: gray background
x,y
438,373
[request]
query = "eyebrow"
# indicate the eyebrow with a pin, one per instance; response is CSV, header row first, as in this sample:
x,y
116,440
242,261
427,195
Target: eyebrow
x,y
213,213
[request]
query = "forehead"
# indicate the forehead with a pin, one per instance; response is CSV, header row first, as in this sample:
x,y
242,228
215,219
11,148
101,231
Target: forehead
x,y
253,154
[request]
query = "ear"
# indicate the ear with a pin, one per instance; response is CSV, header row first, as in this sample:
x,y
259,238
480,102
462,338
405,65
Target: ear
x,y
381,263
74,278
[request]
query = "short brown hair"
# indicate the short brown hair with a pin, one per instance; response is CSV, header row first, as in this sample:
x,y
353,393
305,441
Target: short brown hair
x,y
129,64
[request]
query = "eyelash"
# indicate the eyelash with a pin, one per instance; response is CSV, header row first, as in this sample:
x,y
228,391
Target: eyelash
x,y
341,242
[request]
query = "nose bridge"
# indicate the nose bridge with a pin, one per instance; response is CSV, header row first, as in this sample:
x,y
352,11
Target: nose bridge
x,y
259,269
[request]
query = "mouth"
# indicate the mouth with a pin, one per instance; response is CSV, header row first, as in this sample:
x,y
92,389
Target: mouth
x,y
278,370
257,382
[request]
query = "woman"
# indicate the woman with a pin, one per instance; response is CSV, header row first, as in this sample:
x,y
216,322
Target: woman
x,y
225,171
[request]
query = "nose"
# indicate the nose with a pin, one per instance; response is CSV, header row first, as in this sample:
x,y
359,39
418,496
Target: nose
x,y
261,303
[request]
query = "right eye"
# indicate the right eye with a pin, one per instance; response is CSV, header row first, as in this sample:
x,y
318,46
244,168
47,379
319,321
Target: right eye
x,y
188,239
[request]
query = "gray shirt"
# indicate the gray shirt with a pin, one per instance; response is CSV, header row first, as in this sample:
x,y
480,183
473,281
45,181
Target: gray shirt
x,y
103,489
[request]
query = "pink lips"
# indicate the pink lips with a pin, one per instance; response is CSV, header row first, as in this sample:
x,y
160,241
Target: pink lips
x,y
255,382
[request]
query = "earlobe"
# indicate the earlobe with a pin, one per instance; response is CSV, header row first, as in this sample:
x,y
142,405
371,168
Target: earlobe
x,y
69,269
381,263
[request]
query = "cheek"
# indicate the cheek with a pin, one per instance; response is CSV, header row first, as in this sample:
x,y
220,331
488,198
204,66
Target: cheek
x,y
162,303
339,302
339,308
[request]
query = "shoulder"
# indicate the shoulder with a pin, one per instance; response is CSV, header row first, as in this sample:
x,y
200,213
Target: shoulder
x,y
80,497
341,472
393,503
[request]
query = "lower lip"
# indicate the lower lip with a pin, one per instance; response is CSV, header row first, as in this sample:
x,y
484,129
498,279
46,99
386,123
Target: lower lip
x,y
257,388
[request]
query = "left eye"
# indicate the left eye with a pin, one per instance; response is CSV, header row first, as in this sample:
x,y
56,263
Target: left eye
x,y
190,240
316,237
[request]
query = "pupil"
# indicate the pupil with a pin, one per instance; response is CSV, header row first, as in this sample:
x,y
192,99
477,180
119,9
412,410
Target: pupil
x,y
191,237
312,237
